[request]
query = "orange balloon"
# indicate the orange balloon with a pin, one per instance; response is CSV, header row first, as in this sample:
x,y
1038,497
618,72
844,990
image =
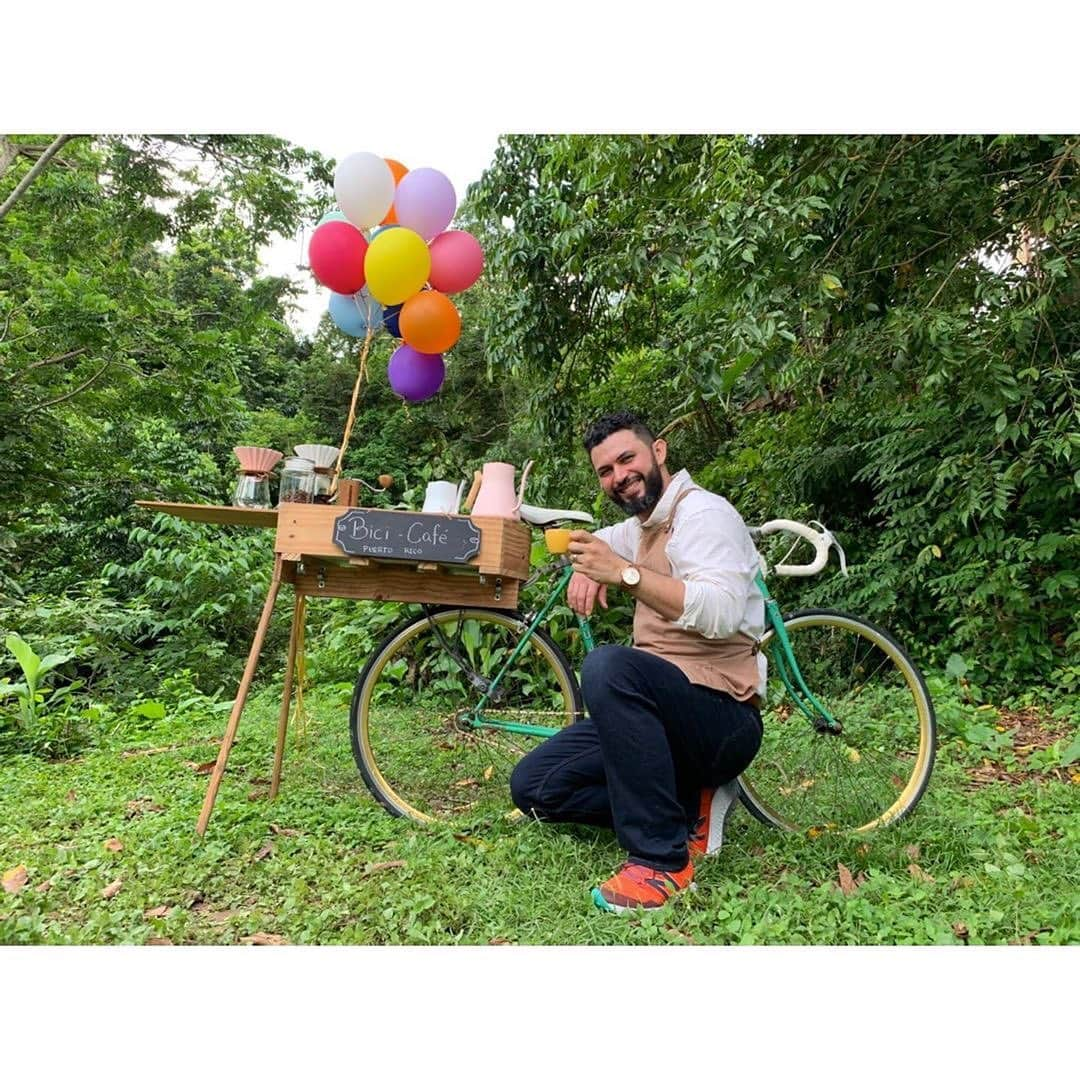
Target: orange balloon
x,y
399,171
429,322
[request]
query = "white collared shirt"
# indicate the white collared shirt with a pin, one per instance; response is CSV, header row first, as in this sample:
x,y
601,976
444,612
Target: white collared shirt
x,y
710,550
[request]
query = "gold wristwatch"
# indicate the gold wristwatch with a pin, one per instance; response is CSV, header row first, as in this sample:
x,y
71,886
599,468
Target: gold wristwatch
x,y
630,576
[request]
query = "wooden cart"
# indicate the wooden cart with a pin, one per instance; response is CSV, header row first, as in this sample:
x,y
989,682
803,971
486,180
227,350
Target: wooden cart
x,y
363,554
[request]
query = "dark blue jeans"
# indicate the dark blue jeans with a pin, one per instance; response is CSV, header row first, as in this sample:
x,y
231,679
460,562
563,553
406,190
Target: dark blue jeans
x,y
637,763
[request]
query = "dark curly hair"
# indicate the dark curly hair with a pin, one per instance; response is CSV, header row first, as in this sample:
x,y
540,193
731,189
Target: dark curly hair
x,y
607,425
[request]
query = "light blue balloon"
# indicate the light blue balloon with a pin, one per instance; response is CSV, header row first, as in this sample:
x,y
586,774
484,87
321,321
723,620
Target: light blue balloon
x,y
331,215
381,229
353,315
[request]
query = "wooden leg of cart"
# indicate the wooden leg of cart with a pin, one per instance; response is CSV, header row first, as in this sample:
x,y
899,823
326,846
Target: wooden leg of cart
x,y
241,698
295,634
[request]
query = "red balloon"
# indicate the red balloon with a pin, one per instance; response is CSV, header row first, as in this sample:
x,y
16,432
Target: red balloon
x,y
336,254
457,260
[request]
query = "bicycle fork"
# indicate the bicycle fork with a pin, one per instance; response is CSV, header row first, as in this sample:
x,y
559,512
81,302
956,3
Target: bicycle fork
x,y
788,668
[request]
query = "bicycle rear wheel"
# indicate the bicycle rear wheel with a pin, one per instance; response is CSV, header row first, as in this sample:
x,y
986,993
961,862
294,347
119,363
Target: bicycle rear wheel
x,y
876,769
415,733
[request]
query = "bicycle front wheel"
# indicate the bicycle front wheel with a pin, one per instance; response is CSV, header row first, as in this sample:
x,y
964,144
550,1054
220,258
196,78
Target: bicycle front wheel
x,y
872,772
420,743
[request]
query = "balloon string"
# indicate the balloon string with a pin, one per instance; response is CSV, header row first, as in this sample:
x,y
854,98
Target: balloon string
x,y
352,407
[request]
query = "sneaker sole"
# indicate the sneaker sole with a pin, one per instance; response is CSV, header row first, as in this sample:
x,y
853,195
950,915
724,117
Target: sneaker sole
x,y
615,909
715,840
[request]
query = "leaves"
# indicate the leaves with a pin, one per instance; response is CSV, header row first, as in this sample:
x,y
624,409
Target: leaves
x,y
265,939
14,879
113,844
112,889
919,874
263,853
159,912
847,883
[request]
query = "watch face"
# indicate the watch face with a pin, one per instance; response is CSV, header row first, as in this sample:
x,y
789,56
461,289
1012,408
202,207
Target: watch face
x,y
631,575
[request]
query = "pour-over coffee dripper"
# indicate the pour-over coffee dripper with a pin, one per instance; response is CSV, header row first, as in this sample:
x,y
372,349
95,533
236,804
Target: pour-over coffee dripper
x,y
252,489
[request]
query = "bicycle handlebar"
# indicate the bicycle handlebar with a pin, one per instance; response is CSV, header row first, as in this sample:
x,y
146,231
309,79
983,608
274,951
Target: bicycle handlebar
x,y
822,540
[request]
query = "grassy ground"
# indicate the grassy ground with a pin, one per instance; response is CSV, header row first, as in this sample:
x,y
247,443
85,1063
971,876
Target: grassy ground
x,y
990,856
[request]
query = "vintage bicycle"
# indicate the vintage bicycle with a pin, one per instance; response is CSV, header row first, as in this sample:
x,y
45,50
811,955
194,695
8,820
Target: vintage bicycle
x,y
454,696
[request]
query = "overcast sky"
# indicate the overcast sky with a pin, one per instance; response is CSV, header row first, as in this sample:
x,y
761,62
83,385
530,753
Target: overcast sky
x,y
461,155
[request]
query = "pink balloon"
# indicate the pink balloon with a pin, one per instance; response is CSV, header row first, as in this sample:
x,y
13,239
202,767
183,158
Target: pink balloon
x,y
336,254
457,260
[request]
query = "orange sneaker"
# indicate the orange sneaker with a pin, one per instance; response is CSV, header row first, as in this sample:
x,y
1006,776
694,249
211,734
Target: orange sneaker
x,y
636,886
707,833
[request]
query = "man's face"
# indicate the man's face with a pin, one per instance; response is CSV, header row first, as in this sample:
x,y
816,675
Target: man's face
x,y
630,470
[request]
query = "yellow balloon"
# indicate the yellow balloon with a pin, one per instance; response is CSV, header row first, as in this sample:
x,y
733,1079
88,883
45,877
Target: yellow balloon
x,y
396,265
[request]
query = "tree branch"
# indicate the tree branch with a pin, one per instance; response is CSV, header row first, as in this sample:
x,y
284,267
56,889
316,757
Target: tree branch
x,y
71,393
32,175
44,363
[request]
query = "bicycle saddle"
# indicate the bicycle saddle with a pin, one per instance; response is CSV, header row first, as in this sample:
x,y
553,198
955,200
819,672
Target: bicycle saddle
x,y
540,516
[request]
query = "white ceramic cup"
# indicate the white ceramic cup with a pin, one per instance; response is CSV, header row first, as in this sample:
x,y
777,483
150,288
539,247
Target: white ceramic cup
x,y
442,497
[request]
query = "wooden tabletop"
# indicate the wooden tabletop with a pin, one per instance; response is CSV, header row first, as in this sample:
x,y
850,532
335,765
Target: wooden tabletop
x,y
214,515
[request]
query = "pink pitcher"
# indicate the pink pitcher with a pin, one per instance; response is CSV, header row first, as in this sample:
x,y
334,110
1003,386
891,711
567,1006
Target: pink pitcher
x,y
496,497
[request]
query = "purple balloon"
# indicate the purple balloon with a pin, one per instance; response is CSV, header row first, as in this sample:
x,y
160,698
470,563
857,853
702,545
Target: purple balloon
x,y
415,376
425,202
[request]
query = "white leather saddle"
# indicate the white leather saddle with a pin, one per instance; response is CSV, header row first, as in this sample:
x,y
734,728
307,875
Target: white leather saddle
x,y
541,516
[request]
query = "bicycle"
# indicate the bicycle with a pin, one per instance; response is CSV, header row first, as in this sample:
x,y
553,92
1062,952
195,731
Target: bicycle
x,y
449,700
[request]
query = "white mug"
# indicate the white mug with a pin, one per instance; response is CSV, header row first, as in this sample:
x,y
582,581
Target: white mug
x,y
442,497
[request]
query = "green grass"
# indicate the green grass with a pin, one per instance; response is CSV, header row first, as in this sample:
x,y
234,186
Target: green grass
x,y
999,858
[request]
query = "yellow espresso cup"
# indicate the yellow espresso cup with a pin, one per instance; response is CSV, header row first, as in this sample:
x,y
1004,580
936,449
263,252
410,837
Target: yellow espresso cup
x,y
557,540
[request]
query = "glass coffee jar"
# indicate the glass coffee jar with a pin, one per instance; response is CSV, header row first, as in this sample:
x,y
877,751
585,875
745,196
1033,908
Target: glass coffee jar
x,y
297,481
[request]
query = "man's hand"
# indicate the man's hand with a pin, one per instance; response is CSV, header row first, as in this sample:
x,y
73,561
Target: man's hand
x,y
592,557
582,593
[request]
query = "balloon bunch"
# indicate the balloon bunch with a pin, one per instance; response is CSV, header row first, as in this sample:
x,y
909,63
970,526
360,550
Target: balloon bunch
x,y
390,263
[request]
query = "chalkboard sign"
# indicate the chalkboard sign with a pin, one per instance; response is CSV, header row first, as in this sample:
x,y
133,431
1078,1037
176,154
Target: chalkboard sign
x,y
391,534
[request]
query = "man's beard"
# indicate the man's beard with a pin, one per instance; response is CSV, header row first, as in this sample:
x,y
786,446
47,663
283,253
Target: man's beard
x,y
653,484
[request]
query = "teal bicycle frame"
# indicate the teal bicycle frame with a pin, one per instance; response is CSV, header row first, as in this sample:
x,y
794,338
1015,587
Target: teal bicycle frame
x,y
786,664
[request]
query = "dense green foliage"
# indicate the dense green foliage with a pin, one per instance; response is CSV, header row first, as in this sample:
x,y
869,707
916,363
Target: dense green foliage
x,y
879,332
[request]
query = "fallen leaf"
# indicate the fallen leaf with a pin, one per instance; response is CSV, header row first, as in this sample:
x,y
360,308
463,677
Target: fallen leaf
x,y
489,772
71,796
374,868
1030,936
14,879
253,795
265,939
112,844
112,889
919,874
157,912
847,882
45,886
264,852
961,931
279,831
500,941
913,852
204,768
219,916
467,782
142,806
897,782
159,941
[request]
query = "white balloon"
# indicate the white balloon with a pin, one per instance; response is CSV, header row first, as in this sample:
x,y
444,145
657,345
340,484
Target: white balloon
x,y
364,186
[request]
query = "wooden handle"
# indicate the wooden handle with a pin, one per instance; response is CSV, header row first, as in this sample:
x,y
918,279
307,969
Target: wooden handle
x,y
473,491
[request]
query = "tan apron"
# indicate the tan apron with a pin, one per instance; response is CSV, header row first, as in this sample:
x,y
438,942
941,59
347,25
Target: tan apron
x,y
728,664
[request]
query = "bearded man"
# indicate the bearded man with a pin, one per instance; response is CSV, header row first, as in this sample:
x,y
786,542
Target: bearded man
x,y
675,718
